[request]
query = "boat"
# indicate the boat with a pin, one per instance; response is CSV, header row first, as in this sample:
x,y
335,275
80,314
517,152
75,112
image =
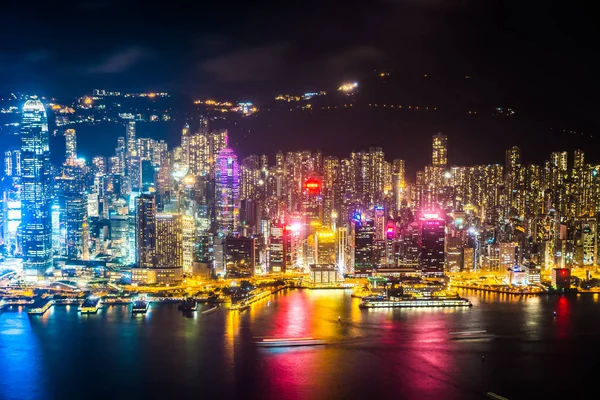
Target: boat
x,y
241,306
471,335
210,310
140,306
91,305
40,306
188,305
417,302
373,298
288,342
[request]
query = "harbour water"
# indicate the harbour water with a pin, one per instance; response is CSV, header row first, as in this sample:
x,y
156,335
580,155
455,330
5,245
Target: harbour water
x,y
372,353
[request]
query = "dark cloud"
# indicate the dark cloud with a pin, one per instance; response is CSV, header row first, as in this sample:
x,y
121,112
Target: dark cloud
x,y
354,56
11,62
121,61
248,64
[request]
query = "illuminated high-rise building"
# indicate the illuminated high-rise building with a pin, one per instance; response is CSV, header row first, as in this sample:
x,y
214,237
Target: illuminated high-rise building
x,y
70,145
217,142
17,163
439,157
119,236
507,254
513,159
36,225
278,247
240,256
76,226
364,240
99,166
10,212
227,192
398,172
185,144
342,246
312,204
559,160
249,178
130,140
145,231
198,154
118,166
145,148
169,240
578,159
8,163
134,172
325,247
188,228
431,240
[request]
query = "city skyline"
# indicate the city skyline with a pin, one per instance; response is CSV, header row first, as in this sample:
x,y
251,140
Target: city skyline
x,y
396,199
356,212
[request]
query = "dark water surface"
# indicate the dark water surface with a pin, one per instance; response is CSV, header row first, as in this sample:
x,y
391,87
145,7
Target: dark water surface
x,y
376,354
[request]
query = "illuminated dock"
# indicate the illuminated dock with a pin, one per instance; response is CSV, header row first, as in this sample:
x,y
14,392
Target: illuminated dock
x,y
39,307
91,305
140,306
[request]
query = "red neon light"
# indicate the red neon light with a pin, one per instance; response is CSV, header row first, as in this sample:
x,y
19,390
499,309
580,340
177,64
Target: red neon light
x,y
312,186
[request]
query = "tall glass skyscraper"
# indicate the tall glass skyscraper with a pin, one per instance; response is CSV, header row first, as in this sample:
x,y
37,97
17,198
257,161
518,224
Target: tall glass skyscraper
x,y
36,222
227,193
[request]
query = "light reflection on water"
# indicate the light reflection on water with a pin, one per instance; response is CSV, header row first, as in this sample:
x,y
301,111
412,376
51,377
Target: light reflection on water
x,y
397,353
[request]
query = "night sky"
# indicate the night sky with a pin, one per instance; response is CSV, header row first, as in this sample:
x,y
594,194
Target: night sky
x,y
538,57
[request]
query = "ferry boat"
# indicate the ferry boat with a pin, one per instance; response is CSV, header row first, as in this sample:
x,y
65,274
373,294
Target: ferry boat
x,y
188,305
288,342
140,306
417,302
210,310
40,306
91,305
241,306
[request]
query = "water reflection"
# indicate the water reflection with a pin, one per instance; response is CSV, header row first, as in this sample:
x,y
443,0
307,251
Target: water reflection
x,y
396,353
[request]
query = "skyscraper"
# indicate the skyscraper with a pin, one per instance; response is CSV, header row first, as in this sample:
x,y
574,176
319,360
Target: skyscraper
x,y
70,145
8,163
76,224
36,225
145,231
169,240
131,144
364,236
431,240
439,157
227,192
240,256
398,170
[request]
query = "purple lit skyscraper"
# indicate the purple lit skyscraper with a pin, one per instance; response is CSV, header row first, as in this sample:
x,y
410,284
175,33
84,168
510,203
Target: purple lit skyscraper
x,y
227,191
